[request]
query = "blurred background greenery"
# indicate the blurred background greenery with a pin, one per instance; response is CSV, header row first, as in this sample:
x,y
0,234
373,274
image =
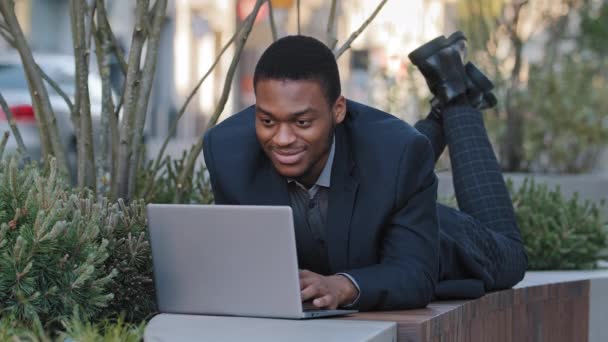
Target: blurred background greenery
x,y
548,61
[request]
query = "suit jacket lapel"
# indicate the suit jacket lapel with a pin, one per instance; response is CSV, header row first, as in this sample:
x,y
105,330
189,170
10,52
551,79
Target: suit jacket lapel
x,y
342,194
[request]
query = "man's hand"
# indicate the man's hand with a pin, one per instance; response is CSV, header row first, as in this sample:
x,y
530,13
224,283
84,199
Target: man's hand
x,y
328,292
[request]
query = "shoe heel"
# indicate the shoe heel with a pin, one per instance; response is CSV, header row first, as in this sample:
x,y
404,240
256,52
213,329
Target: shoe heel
x,y
454,37
420,54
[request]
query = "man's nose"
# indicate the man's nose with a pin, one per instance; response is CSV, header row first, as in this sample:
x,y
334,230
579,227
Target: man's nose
x,y
284,136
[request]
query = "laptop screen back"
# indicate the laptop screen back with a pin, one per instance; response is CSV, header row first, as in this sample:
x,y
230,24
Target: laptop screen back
x,y
225,260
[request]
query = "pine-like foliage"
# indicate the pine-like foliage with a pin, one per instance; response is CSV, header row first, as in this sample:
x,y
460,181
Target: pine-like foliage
x,y
124,227
61,250
558,233
51,253
73,329
166,185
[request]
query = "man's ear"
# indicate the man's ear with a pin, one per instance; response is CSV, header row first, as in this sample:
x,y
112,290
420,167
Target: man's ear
x,y
339,109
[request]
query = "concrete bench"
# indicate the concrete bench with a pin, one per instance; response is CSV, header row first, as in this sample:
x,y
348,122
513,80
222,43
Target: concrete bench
x,y
545,306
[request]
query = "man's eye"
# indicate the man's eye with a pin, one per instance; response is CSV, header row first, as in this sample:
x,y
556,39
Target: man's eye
x,y
267,122
303,123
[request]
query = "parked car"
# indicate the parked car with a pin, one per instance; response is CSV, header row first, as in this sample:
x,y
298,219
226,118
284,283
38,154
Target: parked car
x,y
14,88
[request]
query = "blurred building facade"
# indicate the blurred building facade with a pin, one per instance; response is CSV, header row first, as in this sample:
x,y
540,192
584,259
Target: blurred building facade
x,y
196,30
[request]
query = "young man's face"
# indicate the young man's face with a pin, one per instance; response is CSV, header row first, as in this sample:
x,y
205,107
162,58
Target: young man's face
x,y
295,125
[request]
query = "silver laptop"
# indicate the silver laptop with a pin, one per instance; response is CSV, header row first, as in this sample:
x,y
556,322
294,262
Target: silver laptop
x,y
227,260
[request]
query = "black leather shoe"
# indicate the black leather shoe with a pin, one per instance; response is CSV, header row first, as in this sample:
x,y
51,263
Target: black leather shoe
x,y
478,95
440,62
479,88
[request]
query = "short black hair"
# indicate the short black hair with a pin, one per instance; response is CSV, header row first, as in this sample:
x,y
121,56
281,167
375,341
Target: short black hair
x,y
300,58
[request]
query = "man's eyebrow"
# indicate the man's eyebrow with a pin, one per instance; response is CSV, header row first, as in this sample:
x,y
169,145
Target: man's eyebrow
x,y
295,114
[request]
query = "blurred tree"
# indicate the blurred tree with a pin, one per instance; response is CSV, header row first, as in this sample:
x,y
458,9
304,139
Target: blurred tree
x,y
550,117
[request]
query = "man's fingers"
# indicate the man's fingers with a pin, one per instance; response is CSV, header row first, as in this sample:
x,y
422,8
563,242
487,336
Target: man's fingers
x,y
314,290
327,301
306,273
306,282
309,292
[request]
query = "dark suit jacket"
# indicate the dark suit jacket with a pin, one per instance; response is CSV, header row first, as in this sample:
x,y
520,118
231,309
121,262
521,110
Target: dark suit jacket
x,y
382,224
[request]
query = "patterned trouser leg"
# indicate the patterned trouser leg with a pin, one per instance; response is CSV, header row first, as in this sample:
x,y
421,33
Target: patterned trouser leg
x,y
431,127
483,236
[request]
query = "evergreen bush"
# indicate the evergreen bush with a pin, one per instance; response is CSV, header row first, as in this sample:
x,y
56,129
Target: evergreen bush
x,y
559,233
62,249
73,329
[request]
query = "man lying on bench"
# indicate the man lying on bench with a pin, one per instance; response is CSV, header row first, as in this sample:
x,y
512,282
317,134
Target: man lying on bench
x,y
370,233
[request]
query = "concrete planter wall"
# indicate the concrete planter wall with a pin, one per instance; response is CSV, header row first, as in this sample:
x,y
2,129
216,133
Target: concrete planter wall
x,y
593,187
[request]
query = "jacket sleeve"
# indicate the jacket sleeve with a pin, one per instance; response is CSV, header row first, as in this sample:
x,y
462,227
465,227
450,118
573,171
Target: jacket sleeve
x,y
408,267
218,194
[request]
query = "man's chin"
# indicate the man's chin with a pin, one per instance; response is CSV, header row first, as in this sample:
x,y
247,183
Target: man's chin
x,y
289,171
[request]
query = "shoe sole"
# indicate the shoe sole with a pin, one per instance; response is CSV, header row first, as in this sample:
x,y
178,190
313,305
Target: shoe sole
x,y
420,54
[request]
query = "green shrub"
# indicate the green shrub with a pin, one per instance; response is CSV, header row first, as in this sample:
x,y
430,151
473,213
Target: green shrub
x,y
73,329
105,331
61,249
14,330
162,188
558,233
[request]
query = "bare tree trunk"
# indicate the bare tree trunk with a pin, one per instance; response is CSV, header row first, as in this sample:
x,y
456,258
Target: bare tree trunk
x,y
109,128
47,123
86,154
143,98
131,91
186,173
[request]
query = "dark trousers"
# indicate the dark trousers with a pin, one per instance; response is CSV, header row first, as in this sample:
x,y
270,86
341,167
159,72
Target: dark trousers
x,y
481,246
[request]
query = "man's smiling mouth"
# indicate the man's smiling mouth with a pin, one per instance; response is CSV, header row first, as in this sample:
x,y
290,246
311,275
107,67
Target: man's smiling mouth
x,y
288,157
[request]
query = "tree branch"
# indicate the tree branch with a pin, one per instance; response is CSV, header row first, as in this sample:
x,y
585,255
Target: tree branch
x,y
3,143
11,120
45,77
298,11
109,126
6,34
86,154
356,34
7,37
88,24
182,110
56,87
273,26
103,19
148,73
196,149
330,38
47,123
131,91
